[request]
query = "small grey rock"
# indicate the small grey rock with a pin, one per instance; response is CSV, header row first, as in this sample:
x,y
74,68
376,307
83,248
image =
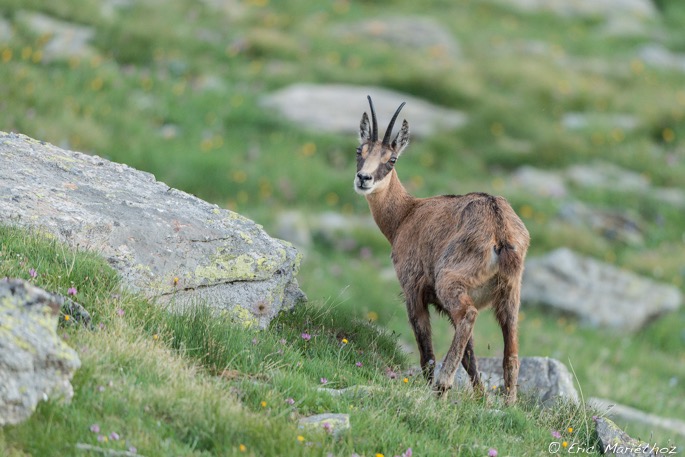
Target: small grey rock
x,y
6,31
614,441
329,422
67,40
657,55
35,364
543,378
639,9
621,412
606,175
544,183
352,391
423,34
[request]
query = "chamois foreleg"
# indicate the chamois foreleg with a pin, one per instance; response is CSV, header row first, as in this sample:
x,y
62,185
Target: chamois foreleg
x,y
452,294
507,300
419,319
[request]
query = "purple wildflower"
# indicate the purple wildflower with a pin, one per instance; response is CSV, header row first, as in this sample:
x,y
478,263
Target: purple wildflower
x,y
95,428
324,381
327,427
33,273
101,438
290,401
132,450
120,312
492,452
306,336
556,434
114,436
359,364
408,453
71,291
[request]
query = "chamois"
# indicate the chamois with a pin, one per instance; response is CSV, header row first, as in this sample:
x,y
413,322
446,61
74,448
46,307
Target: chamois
x,y
460,253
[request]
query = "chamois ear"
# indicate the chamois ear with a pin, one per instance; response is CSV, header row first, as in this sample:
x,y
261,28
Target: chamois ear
x,y
401,139
364,129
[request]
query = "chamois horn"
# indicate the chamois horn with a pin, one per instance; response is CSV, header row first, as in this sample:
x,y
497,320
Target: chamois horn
x,y
374,124
388,132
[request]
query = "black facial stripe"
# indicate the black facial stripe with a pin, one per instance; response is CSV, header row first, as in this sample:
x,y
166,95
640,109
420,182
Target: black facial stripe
x,y
382,171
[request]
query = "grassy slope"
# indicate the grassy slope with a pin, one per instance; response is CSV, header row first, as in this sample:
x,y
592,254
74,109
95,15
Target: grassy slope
x,y
197,385
155,57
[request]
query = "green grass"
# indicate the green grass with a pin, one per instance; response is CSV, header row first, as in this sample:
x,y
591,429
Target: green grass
x,y
197,384
180,67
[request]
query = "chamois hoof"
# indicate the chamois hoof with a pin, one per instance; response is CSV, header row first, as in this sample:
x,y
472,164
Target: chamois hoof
x,y
441,389
510,399
478,390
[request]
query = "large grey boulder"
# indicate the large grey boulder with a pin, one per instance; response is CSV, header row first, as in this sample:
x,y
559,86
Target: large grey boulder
x,y
338,108
164,242
598,293
545,379
35,364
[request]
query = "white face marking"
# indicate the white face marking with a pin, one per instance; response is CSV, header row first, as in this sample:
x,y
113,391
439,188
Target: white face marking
x,y
372,164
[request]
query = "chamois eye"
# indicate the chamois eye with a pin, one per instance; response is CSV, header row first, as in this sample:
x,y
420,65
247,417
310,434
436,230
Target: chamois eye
x,y
393,159
359,150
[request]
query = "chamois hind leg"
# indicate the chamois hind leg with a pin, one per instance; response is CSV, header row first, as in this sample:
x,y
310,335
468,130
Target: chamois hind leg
x,y
419,318
451,292
507,301
471,366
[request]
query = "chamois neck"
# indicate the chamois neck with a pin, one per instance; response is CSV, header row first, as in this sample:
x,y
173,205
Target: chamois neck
x,y
390,206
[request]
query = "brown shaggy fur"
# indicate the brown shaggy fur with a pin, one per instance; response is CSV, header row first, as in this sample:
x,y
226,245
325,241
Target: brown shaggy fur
x,y
460,253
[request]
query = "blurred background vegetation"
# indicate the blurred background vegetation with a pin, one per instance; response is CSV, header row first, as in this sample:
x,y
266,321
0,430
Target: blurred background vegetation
x,y
176,88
